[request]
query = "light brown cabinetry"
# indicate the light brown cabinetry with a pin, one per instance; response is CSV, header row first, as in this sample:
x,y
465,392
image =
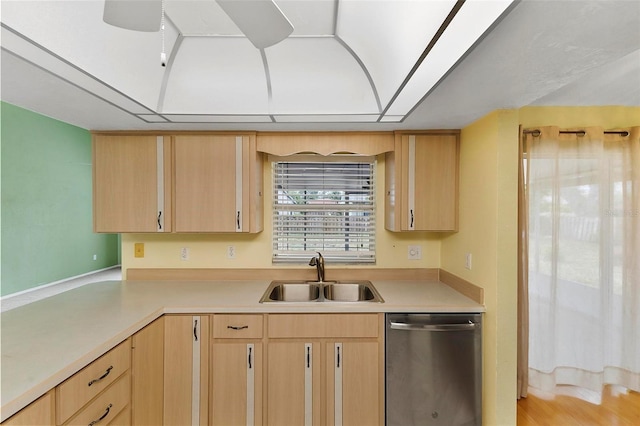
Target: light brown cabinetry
x,y
131,183
421,182
324,369
186,369
216,180
98,392
39,412
218,184
236,370
147,381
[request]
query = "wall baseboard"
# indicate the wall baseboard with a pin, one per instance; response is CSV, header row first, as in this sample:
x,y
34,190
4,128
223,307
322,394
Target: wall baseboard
x,y
43,291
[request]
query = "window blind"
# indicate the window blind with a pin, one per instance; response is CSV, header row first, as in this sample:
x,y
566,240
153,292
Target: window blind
x,y
324,206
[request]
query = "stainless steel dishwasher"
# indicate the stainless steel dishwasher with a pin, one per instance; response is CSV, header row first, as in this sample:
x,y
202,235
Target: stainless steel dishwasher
x,y
433,369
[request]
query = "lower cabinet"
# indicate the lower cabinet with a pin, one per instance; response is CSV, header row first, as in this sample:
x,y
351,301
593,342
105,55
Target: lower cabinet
x,y
98,393
229,369
324,370
39,412
147,366
186,370
236,370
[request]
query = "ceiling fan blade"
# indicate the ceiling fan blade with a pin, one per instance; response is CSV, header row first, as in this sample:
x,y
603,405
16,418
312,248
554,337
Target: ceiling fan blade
x,y
261,21
138,15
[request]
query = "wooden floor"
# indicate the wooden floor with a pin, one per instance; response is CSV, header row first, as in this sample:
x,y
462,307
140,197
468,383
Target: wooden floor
x,y
575,406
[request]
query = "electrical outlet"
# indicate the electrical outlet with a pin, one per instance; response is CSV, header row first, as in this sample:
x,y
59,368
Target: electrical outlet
x,y
184,253
231,252
414,253
467,261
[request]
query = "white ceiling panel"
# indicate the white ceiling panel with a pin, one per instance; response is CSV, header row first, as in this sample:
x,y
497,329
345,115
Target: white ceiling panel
x,y
195,118
36,89
390,36
310,17
467,27
341,67
342,118
124,59
216,76
317,76
200,17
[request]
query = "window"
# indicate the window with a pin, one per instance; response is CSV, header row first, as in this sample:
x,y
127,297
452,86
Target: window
x,y
324,206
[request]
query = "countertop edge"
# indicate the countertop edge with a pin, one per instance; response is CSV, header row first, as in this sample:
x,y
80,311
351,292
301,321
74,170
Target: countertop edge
x,y
147,316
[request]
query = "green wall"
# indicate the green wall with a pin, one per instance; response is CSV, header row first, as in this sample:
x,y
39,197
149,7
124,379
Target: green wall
x,y
47,231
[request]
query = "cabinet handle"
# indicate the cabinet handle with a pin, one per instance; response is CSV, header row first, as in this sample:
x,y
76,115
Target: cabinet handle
x,y
338,348
237,327
195,329
250,358
308,356
101,377
411,226
238,219
106,413
159,216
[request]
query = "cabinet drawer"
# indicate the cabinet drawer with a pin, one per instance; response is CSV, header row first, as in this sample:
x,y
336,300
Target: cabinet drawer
x,y
323,325
237,326
80,388
105,408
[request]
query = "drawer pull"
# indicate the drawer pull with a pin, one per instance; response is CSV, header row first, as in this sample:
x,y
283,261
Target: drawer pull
x,y
235,327
101,377
106,413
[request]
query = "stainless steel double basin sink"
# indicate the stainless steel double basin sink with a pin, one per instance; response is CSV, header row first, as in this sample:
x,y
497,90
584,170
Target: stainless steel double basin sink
x,y
326,291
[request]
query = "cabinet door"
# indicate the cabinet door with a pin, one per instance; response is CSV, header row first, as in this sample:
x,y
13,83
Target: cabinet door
x,y
293,383
39,412
353,383
186,370
236,371
131,181
147,368
216,184
430,187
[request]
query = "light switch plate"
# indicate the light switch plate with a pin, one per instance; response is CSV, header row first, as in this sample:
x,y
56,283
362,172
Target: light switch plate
x,y
138,250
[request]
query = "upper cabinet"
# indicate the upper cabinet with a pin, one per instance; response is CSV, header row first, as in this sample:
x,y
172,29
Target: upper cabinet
x,y
178,183
218,184
131,183
421,182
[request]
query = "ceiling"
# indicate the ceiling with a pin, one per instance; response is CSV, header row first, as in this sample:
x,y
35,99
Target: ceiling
x,y
348,65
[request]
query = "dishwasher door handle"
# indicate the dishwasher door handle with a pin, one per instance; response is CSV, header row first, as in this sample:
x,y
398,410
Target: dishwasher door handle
x,y
432,327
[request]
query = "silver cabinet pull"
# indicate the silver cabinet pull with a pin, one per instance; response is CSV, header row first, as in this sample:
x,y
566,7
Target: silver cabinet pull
x,y
433,327
106,413
106,373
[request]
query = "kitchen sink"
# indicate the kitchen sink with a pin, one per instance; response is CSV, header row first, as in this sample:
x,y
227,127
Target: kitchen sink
x,y
360,291
326,291
291,291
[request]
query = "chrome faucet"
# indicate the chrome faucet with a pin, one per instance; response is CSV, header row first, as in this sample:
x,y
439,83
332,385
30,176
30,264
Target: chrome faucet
x,y
318,262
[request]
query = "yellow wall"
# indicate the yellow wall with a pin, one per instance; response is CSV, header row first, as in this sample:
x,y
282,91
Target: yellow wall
x,y
488,230
488,223
254,251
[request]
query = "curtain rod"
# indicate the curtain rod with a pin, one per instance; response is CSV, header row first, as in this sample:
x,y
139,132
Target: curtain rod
x,y
537,132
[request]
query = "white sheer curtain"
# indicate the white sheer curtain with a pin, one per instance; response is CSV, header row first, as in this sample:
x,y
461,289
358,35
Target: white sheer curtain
x,y
583,190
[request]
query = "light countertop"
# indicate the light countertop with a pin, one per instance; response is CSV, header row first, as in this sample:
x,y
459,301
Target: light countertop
x,y
45,342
